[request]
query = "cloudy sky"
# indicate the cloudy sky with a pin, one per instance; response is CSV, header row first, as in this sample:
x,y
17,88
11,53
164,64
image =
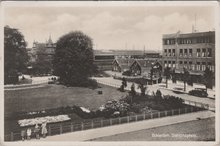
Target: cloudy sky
x,y
109,27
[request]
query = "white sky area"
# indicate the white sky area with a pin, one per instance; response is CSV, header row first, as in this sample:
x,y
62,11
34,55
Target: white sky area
x,y
110,27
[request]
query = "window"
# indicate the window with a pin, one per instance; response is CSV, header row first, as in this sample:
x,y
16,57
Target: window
x,y
198,53
203,52
173,52
168,42
181,62
185,52
190,52
203,66
169,63
185,64
190,65
181,53
213,68
209,53
174,64
169,52
198,66
165,52
165,63
209,65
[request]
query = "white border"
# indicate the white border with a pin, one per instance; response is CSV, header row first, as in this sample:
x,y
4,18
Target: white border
x,y
215,4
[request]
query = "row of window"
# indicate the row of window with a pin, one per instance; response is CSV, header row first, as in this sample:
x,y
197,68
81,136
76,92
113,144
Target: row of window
x,y
199,66
196,40
204,52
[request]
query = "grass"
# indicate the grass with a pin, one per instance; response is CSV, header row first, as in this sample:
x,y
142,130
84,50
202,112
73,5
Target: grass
x,y
53,96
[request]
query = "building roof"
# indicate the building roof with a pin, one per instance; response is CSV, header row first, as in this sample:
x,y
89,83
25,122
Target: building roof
x,y
187,35
146,64
124,63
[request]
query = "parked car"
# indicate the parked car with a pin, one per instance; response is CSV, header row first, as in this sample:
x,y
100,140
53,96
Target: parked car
x,y
200,92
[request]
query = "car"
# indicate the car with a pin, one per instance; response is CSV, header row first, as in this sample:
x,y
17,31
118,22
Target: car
x,y
200,92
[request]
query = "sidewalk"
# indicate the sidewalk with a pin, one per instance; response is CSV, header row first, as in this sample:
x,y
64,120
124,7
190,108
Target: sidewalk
x,y
130,127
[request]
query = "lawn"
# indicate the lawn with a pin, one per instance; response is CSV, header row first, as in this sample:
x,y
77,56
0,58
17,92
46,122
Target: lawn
x,y
52,96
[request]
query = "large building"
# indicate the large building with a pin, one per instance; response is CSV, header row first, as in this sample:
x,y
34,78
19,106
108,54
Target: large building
x,y
104,59
192,51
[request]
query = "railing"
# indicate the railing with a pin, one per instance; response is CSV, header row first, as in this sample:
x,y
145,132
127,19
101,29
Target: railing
x,y
55,129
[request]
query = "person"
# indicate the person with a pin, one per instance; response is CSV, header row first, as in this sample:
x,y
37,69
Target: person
x,y
23,134
44,129
28,133
36,131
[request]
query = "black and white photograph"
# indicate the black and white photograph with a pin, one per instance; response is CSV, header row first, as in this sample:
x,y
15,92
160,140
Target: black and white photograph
x,y
109,72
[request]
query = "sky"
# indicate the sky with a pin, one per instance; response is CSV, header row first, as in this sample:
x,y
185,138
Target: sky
x,y
110,27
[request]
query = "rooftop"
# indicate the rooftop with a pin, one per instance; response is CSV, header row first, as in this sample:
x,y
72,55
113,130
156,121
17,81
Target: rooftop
x,y
186,35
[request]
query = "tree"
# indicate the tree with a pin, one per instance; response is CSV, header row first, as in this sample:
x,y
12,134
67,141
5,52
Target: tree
x,y
167,75
143,89
73,59
207,78
132,92
124,82
173,76
185,77
15,54
123,85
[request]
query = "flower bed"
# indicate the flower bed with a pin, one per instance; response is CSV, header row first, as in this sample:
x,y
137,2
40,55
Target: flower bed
x,y
40,120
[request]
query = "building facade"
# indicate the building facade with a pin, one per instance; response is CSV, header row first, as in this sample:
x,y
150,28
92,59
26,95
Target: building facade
x,y
41,56
192,51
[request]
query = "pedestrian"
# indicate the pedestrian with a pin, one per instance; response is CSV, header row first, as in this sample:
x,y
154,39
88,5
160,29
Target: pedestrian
x,y
44,129
36,131
29,133
23,134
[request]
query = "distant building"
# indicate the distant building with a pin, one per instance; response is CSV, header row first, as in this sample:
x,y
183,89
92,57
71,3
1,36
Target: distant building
x,y
152,55
103,59
193,51
122,64
42,53
146,68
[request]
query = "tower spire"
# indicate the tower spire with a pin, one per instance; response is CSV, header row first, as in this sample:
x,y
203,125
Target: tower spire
x,y
50,40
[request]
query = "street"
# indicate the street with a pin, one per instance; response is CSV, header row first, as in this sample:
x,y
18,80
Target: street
x,y
153,88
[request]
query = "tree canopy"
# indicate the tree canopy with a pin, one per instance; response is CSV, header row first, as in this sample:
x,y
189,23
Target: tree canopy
x,y
15,53
73,59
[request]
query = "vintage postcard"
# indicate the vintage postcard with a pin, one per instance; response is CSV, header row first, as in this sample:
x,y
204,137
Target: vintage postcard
x,y
82,73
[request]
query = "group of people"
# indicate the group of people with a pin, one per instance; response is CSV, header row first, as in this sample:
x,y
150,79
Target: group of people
x,y
36,131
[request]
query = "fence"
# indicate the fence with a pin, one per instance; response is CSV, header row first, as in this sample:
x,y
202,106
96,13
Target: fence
x,y
55,129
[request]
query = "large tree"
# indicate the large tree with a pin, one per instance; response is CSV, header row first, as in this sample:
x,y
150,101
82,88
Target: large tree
x,y
15,53
167,75
73,59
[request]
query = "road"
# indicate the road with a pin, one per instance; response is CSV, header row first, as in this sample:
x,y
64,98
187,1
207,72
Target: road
x,y
153,88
